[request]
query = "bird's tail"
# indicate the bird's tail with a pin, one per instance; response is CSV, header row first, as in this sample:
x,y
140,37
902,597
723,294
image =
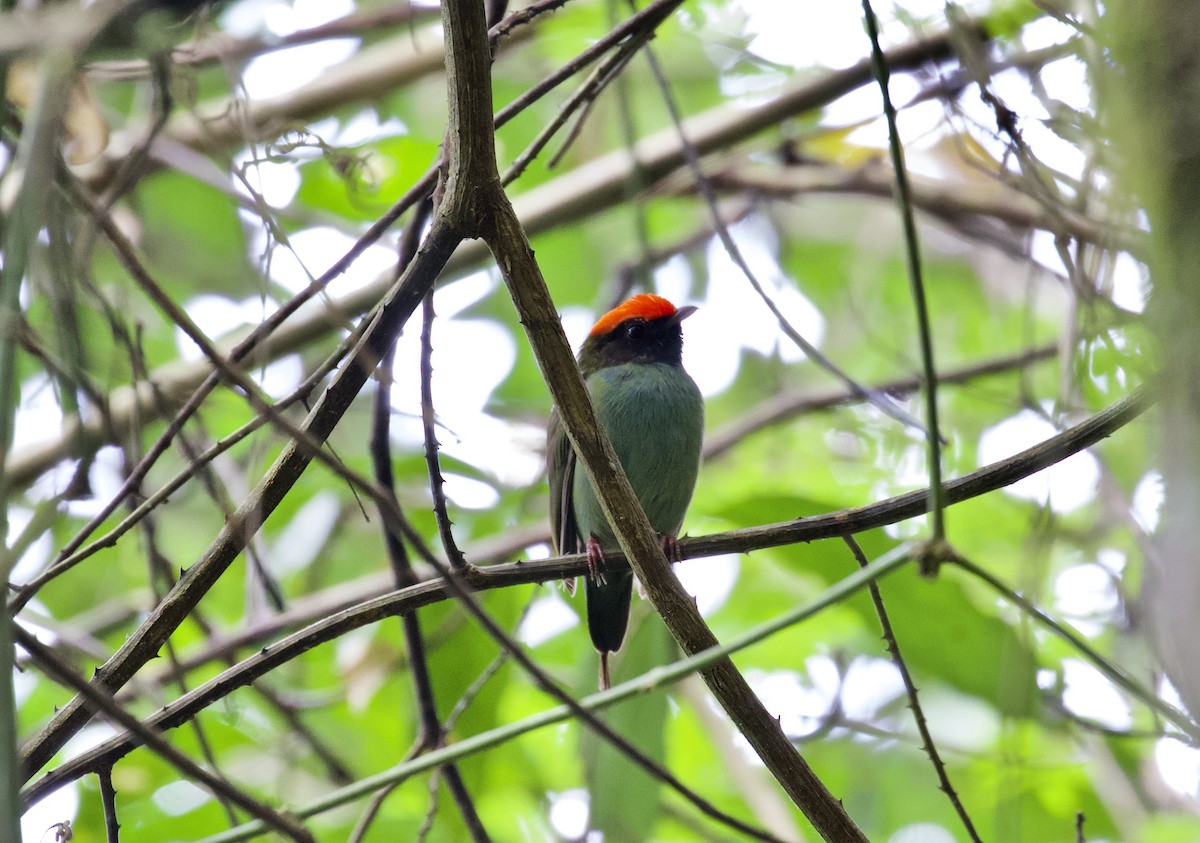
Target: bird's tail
x,y
608,615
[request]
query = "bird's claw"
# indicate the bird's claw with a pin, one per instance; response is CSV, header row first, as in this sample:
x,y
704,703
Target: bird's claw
x,y
595,562
670,547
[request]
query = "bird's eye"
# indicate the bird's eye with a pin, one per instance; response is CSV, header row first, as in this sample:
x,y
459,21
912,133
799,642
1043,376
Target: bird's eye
x,y
635,330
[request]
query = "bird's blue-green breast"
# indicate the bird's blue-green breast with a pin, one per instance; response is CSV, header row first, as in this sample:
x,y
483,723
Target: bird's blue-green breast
x,y
654,416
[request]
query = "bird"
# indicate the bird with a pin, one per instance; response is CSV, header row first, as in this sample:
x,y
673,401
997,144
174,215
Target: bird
x,y
653,414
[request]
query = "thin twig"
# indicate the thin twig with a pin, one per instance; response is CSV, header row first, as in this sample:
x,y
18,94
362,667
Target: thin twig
x,y
913,256
779,408
430,734
910,689
692,157
199,578
1114,672
836,524
62,563
652,680
108,799
237,354
65,674
647,19
437,483
590,188
222,48
583,97
527,288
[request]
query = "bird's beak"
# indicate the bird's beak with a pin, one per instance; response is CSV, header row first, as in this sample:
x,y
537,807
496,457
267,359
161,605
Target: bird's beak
x,y
683,313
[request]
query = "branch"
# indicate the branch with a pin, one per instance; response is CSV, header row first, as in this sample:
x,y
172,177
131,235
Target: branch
x,y
538,316
144,644
588,189
912,253
63,673
832,525
942,198
910,689
650,681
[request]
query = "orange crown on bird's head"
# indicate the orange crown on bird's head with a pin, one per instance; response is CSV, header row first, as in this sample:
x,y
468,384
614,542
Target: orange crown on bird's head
x,y
645,306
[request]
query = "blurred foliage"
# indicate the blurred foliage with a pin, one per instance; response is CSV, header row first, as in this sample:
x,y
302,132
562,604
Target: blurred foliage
x,y
1026,750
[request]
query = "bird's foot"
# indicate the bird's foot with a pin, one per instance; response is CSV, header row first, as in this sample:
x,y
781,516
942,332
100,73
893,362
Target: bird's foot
x,y
595,562
670,546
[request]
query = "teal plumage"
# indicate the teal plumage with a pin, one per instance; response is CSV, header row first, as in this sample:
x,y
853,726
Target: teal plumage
x,y
653,414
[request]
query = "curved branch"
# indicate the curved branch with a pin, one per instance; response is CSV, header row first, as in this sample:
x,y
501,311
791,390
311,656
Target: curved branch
x,y
845,522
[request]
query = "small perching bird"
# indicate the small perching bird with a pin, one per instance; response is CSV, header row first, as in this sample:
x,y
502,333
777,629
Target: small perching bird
x,y
653,414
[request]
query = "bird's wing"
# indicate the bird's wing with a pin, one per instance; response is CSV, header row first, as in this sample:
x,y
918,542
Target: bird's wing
x,y
560,468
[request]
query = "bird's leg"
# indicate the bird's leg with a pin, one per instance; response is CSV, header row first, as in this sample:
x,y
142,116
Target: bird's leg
x,y
595,560
670,546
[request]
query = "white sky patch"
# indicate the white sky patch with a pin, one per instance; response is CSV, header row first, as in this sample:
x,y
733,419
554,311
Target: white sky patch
x,y
869,685
246,18
471,357
548,616
1111,560
1130,283
105,477
510,451
318,249
957,720
179,798
732,317
1089,694
34,559
305,14
215,315
60,806
1066,79
922,833
673,279
1179,766
1148,500
470,493
709,580
362,127
24,682
798,701
569,812
1045,32
452,299
577,321
275,181
1067,485
303,538
280,377
917,124
37,413
29,619
1085,591
281,71
803,33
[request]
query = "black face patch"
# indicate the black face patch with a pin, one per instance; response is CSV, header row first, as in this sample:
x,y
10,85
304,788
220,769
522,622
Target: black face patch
x,y
642,341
